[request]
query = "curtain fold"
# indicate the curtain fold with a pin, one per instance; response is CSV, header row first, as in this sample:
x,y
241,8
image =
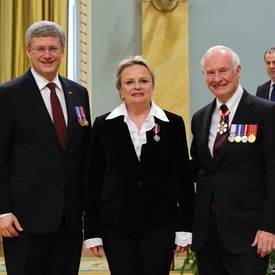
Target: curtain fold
x,y
15,17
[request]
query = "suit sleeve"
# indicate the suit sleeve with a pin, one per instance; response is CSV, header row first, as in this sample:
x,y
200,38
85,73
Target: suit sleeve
x,y
268,138
6,137
97,166
186,186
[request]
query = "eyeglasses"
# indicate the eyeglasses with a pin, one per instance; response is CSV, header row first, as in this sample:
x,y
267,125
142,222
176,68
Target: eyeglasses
x,y
42,50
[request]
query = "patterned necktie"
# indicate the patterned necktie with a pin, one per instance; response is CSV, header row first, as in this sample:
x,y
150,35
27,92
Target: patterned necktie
x,y
58,117
273,93
221,134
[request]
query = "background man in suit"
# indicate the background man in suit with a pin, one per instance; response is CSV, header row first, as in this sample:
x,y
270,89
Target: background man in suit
x,y
235,200
267,90
41,176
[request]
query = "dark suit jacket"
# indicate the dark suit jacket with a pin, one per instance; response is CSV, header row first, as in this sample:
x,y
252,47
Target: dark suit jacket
x,y
243,184
38,180
158,188
263,90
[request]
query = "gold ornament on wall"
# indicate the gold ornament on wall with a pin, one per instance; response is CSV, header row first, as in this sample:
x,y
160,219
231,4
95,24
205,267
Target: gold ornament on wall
x,y
164,5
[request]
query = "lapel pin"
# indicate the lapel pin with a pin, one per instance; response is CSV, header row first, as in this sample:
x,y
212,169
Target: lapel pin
x,y
156,130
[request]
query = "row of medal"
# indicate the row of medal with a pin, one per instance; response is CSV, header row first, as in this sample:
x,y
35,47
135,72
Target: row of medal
x,y
81,116
239,132
243,133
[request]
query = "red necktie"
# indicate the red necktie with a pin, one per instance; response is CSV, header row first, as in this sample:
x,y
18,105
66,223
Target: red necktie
x,y
58,117
222,133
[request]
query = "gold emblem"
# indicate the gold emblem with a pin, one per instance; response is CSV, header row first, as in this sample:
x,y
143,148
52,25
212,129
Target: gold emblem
x,y
222,128
238,138
251,138
81,122
164,5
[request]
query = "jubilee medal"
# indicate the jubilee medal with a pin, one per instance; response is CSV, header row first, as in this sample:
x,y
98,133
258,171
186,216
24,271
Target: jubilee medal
x,y
156,130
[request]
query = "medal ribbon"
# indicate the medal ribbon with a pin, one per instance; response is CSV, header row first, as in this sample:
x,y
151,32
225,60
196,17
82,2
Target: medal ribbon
x,y
156,129
233,128
253,129
78,113
252,132
245,130
82,112
223,114
239,130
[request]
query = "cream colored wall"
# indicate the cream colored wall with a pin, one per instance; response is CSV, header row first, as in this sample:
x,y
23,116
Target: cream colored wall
x,y
84,43
116,34
165,45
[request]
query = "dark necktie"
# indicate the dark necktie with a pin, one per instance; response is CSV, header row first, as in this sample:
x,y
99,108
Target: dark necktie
x,y
221,134
58,117
273,93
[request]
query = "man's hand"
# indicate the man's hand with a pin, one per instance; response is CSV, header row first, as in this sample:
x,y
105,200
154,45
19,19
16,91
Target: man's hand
x,y
9,226
265,242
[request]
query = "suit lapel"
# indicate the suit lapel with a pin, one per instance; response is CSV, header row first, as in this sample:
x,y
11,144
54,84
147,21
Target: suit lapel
x,y
69,96
243,111
35,99
146,149
267,89
241,116
205,129
127,140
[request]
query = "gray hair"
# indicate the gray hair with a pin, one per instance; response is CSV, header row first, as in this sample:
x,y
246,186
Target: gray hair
x,y
270,50
43,29
235,59
135,60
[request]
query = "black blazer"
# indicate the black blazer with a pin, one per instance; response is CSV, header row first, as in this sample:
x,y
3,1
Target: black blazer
x,y
38,180
263,90
157,189
243,184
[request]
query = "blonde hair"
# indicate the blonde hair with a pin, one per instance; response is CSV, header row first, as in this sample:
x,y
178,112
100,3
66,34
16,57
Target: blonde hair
x,y
135,60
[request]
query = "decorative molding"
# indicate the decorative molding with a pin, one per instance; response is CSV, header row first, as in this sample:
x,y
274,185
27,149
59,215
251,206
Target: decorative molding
x,y
164,6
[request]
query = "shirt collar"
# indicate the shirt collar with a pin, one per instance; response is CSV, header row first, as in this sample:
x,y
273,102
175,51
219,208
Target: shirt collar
x,y
155,111
42,82
233,102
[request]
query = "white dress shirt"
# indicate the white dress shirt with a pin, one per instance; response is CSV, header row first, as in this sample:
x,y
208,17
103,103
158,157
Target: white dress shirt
x,y
270,89
46,93
232,105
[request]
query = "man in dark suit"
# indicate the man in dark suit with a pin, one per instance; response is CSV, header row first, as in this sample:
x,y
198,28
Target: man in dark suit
x,y
234,225
42,178
265,90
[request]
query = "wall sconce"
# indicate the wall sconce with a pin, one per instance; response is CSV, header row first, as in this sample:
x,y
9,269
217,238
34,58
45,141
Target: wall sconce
x,y
164,5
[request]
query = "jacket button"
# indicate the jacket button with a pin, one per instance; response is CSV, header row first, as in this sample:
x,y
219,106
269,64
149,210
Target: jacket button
x,y
62,183
140,184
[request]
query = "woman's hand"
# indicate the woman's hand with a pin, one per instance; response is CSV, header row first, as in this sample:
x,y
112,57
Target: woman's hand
x,y
97,251
180,249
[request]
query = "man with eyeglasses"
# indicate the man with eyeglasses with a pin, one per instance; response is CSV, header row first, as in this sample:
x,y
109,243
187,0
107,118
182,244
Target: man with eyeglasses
x,y
45,132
